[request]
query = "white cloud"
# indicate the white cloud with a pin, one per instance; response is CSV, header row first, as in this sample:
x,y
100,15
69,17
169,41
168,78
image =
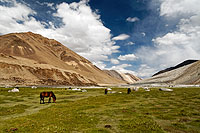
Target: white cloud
x,y
51,5
100,64
145,71
175,8
121,37
143,34
8,1
178,45
82,30
129,19
128,57
122,68
19,12
114,61
130,43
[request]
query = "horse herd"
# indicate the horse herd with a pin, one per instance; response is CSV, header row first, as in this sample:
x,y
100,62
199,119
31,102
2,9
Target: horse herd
x,y
51,94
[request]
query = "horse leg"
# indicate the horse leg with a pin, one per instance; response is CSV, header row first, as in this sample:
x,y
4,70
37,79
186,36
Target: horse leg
x,y
42,99
49,99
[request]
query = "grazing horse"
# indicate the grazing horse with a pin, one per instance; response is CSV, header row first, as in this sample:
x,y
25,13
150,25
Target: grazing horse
x,y
47,94
129,91
106,91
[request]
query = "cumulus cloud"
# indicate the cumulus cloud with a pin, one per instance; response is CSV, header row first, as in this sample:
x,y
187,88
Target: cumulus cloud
x,y
114,61
123,68
121,37
128,57
175,8
82,29
145,71
129,19
178,45
10,16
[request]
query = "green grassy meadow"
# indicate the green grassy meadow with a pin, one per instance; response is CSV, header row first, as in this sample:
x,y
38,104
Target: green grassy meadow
x,y
92,111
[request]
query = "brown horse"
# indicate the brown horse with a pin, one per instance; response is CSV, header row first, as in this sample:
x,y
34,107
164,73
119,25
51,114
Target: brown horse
x,y
47,94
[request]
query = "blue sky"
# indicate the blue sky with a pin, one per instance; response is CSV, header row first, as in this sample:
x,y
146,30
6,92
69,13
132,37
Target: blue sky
x,y
136,36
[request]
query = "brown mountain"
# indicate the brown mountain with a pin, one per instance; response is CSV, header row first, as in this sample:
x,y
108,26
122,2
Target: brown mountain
x,y
186,74
31,59
127,77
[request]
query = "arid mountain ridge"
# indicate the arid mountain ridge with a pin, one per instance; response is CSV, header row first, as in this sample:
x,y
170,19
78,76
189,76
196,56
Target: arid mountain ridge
x,y
185,73
187,62
127,77
31,59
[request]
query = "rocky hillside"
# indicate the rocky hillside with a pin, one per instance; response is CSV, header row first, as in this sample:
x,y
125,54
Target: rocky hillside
x,y
127,77
31,59
187,62
187,75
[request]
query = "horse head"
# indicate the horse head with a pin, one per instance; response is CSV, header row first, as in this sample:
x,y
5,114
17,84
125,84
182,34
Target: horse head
x,y
54,98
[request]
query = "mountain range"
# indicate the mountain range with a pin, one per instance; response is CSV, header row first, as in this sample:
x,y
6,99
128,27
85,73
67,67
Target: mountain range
x,y
187,62
186,73
31,59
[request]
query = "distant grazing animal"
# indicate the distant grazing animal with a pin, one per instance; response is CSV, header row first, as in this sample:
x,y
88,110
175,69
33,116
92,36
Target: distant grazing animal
x,y
47,94
106,91
129,91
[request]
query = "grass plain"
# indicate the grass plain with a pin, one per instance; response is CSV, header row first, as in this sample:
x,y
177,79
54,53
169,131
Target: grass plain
x,y
92,111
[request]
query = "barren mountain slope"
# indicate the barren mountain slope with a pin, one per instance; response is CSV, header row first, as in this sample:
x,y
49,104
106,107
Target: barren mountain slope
x,y
129,78
187,62
28,58
188,74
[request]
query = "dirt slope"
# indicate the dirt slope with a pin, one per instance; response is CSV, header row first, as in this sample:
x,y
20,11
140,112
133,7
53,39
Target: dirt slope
x,y
127,77
187,62
28,58
188,75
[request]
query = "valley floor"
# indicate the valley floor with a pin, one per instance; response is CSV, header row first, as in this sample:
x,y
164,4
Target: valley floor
x,y
93,111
